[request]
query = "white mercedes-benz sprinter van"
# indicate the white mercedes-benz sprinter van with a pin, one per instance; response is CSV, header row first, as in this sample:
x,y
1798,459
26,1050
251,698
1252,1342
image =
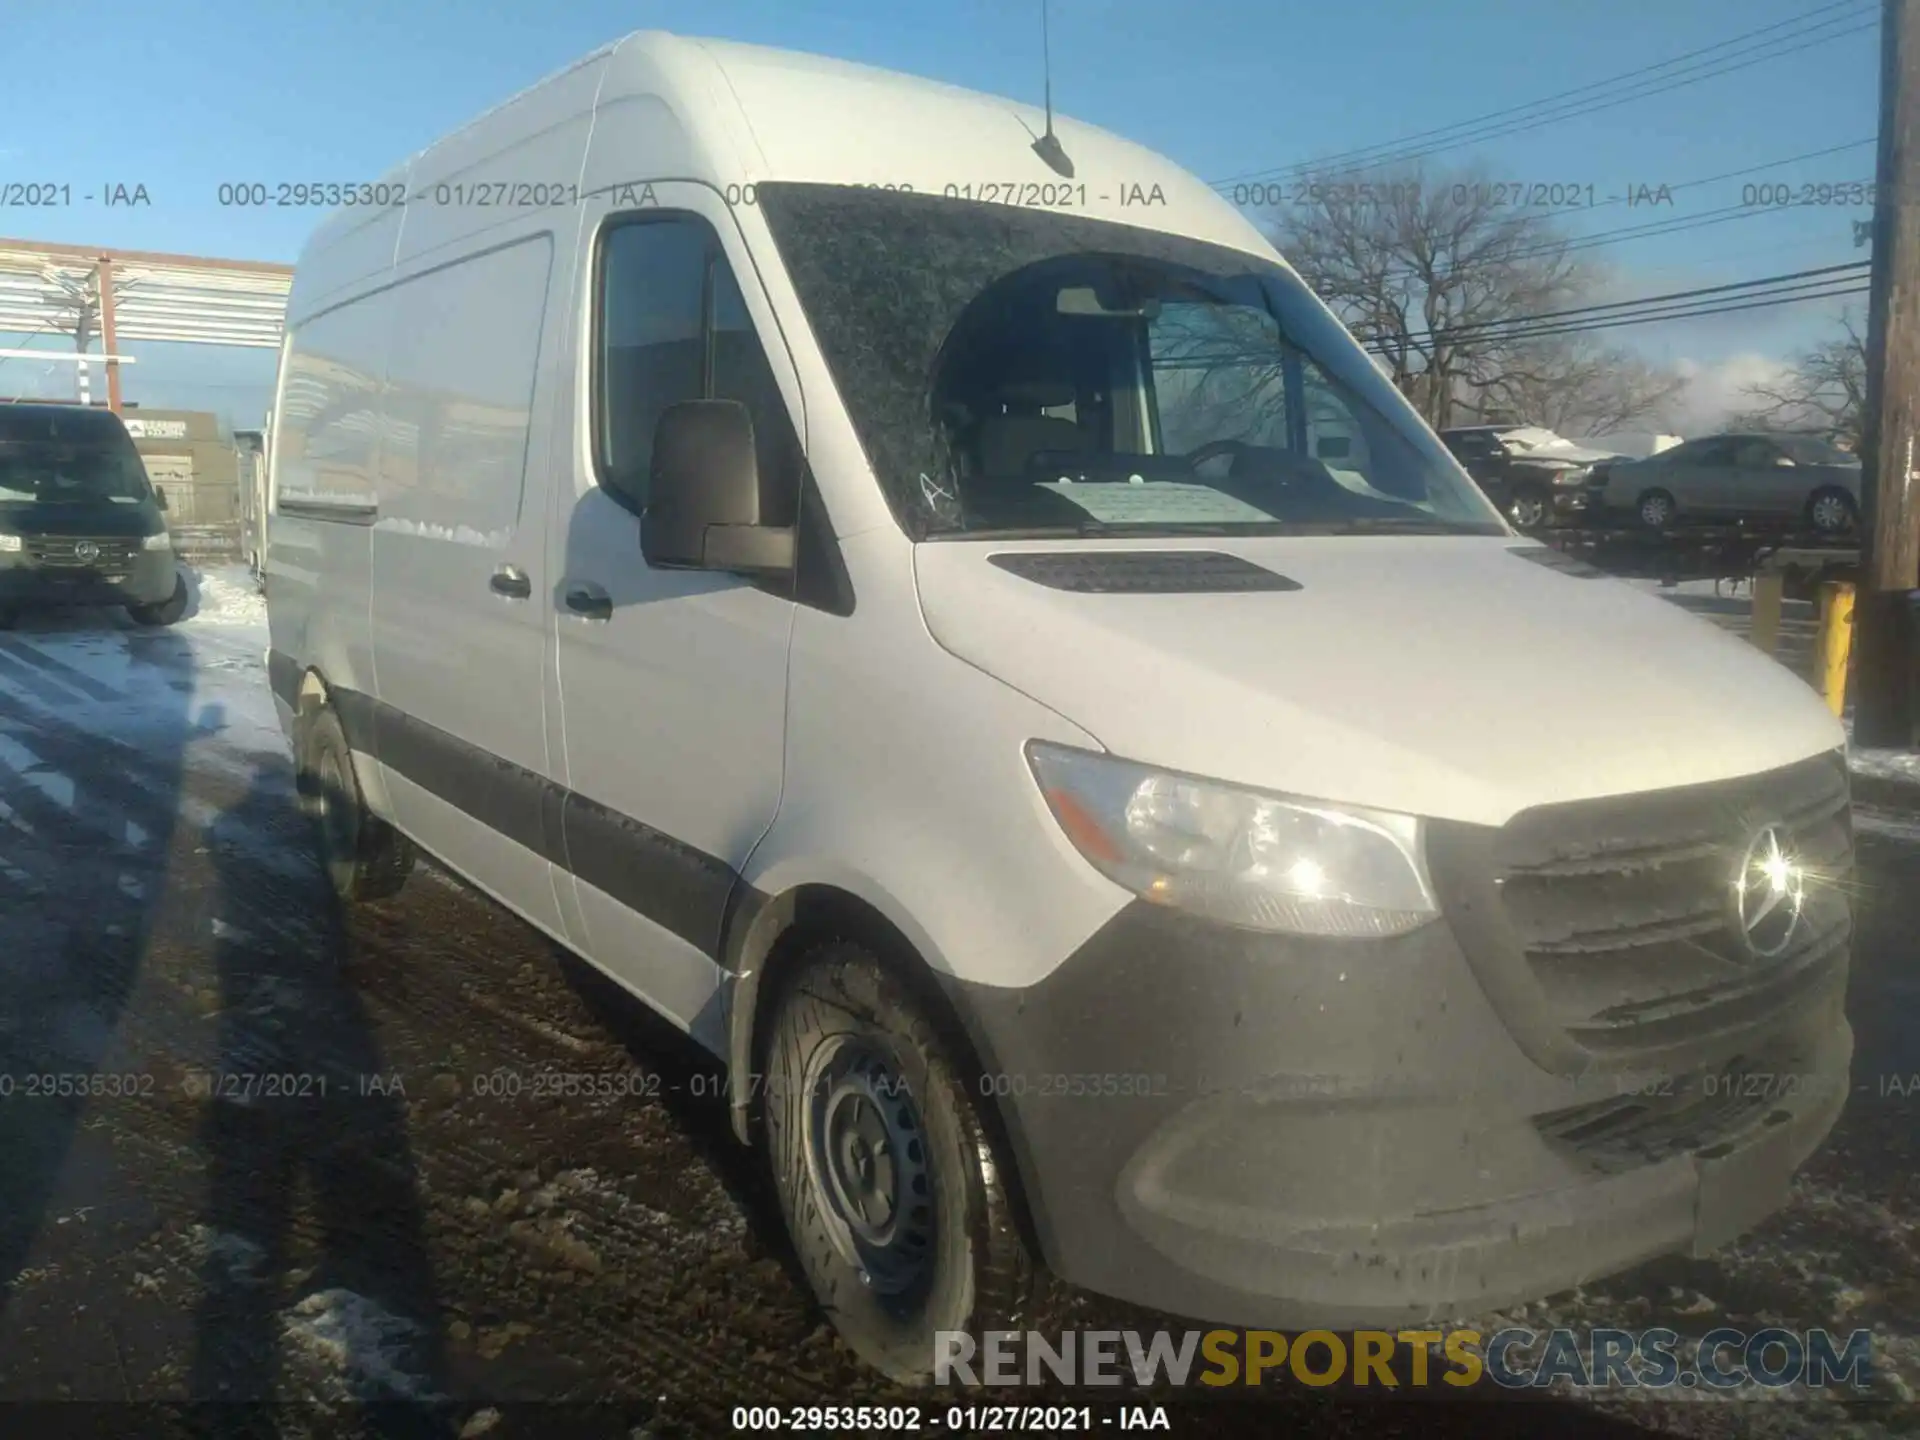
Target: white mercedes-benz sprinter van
x,y
959,628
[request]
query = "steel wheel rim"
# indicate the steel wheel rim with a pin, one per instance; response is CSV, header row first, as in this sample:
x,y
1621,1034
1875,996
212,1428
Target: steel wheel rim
x,y
867,1160
1654,510
1829,513
336,821
1529,511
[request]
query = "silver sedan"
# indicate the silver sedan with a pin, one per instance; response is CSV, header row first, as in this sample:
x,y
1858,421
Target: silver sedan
x,y
1799,480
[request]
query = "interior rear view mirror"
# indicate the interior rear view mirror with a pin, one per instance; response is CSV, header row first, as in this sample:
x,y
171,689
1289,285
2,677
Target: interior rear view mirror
x,y
704,501
1084,300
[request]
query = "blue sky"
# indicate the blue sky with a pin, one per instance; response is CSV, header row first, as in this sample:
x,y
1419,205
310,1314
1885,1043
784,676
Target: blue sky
x,y
183,96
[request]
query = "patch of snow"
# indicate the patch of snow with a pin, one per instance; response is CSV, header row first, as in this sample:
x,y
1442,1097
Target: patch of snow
x,y
456,534
1886,764
239,1256
228,596
35,771
355,498
1879,822
362,1345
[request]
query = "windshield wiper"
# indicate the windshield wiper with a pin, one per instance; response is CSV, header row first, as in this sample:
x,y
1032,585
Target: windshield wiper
x,y
1235,529
1408,525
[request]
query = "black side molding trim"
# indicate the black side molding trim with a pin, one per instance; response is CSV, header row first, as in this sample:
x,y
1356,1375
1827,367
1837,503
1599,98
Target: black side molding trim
x,y
283,677
339,512
677,886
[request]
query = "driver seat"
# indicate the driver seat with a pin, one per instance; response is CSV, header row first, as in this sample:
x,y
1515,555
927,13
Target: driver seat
x,y
1002,446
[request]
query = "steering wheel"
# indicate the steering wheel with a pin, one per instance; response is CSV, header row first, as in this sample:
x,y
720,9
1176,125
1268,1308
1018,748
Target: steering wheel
x,y
1213,449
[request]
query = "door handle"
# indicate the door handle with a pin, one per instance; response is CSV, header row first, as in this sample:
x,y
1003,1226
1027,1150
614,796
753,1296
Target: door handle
x,y
512,582
589,600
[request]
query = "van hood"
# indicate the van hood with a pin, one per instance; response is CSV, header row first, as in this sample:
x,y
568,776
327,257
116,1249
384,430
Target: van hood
x,y
1453,677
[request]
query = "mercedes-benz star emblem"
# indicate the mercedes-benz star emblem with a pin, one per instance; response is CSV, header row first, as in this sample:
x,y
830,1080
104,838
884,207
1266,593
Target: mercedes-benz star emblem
x,y
1769,892
86,550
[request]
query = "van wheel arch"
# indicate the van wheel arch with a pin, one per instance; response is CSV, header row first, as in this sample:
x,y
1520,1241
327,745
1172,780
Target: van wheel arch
x,y
777,938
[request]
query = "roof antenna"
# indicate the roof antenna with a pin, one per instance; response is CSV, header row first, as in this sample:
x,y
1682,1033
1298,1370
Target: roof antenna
x,y
1048,146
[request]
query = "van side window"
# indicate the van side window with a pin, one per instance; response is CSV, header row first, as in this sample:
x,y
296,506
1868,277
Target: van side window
x,y
1202,397
652,293
660,280
741,372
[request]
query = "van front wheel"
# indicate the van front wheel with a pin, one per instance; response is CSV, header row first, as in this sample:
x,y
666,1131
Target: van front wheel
x,y
899,1214
163,612
365,858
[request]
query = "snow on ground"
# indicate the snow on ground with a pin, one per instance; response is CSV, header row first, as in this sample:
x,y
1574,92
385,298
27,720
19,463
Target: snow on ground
x,y
200,685
1898,765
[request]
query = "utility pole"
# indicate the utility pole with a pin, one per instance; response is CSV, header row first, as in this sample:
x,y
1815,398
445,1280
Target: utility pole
x,y
1886,707
109,340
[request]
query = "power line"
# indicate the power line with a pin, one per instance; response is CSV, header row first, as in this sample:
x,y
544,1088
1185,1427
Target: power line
x,y
1347,156
1549,332
1678,304
1500,123
1671,225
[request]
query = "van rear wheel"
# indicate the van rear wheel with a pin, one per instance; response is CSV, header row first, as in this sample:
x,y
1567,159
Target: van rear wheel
x,y
365,858
899,1214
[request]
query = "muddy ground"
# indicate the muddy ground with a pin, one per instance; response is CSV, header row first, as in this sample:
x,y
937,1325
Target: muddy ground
x,y
410,1224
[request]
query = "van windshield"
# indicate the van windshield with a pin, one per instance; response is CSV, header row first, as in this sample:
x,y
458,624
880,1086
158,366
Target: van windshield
x,y
61,459
1014,371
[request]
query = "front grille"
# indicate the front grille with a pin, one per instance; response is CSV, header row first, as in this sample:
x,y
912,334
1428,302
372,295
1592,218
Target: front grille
x,y
1670,1117
1624,909
63,552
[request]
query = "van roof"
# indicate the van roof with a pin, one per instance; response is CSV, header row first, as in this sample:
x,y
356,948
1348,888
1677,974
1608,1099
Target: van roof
x,y
753,113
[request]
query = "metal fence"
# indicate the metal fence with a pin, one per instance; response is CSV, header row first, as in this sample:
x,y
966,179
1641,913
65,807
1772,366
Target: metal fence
x,y
216,544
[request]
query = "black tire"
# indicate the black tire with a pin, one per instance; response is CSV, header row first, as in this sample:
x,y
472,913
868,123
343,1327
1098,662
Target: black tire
x,y
1529,507
1654,509
1831,511
165,612
364,857
849,1043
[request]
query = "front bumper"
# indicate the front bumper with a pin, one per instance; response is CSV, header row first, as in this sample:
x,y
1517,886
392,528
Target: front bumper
x,y
1286,1132
147,579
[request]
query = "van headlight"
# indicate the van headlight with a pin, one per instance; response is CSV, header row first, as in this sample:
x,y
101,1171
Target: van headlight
x,y
162,541
1245,859
9,544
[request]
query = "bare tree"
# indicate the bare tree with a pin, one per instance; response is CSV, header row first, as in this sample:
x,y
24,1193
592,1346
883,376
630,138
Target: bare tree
x,y
1825,389
1578,386
1430,270
1424,268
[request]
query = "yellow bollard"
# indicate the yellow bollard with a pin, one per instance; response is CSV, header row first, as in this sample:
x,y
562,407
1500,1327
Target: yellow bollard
x,y
1836,642
1769,589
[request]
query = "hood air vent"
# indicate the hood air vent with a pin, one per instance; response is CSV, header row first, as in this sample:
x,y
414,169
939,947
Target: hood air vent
x,y
1141,572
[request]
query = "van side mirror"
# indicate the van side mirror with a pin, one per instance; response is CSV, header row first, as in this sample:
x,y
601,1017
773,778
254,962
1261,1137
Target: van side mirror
x,y
703,498
160,497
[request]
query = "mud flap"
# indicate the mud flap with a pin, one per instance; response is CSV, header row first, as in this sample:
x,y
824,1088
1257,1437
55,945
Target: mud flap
x,y
1740,1189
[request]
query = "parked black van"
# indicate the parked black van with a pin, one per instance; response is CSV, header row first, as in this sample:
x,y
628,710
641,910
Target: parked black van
x,y
80,522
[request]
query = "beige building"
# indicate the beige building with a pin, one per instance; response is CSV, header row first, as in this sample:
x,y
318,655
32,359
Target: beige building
x,y
191,460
